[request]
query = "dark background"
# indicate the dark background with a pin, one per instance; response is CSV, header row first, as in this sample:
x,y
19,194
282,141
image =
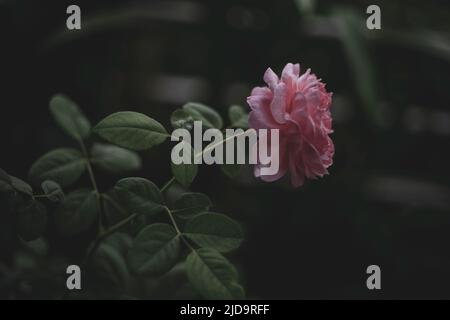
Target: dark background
x,y
387,198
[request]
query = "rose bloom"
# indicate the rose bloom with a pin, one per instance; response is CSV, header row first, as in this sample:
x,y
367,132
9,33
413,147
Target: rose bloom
x,y
299,106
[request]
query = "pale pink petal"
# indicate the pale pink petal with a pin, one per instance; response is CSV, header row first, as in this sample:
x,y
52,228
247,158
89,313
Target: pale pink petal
x,y
270,78
299,104
258,102
288,72
262,91
278,105
297,69
262,119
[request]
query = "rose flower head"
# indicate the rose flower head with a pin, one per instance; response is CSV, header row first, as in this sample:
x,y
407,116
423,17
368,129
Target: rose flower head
x,y
299,106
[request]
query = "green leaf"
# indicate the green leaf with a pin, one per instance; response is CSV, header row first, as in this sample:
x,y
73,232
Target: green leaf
x,y
21,186
216,231
64,166
53,191
120,241
32,220
181,119
155,250
131,130
213,276
139,195
110,265
191,204
77,212
114,159
185,173
238,117
69,117
199,112
174,285
114,213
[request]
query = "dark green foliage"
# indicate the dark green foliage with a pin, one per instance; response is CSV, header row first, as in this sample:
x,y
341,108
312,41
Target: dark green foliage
x,y
129,242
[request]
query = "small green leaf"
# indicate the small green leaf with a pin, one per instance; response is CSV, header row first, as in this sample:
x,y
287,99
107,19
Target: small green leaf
x,y
64,166
77,212
69,117
191,204
213,276
155,250
185,173
216,231
114,213
199,112
238,117
131,130
114,159
21,186
181,119
32,220
53,191
139,195
110,265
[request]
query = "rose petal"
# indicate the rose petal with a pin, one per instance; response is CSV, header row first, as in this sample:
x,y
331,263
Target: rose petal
x,y
270,78
278,105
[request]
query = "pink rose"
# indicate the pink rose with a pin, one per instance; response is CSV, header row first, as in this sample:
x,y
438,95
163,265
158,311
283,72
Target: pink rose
x,y
299,106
